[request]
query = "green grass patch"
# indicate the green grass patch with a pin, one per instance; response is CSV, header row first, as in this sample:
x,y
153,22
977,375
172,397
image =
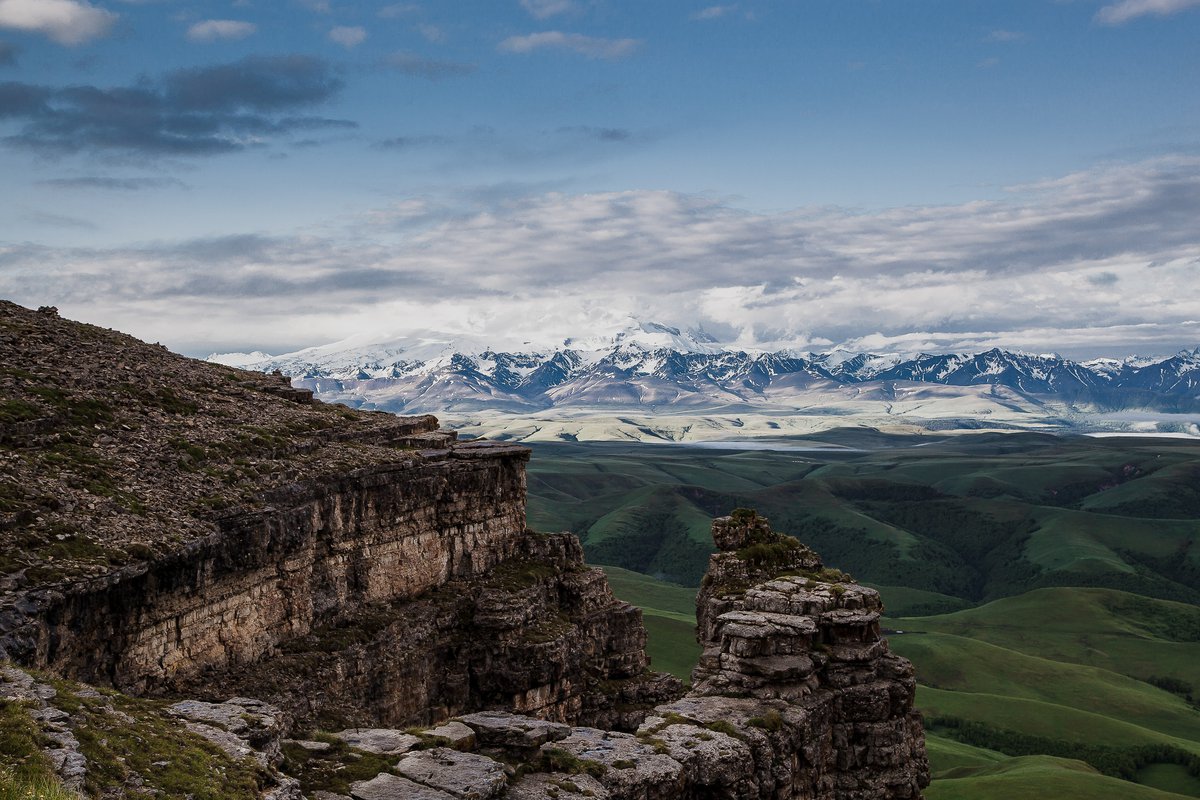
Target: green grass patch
x,y
1039,777
332,770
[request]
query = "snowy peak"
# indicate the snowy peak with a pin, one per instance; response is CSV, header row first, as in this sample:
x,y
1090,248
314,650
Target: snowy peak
x,y
661,367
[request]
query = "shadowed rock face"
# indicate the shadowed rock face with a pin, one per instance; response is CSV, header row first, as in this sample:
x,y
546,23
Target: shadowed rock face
x,y
796,697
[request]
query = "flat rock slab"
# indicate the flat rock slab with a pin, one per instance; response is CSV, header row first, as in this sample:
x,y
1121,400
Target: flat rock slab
x,y
310,746
464,775
393,787
501,729
382,741
632,768
557,787
458,735
241,716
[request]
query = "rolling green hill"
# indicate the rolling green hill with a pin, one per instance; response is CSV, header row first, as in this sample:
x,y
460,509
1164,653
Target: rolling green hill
x,y
1046,588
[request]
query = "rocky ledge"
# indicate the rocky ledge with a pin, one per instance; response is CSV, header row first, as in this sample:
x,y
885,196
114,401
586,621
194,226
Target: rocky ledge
x,y
796,696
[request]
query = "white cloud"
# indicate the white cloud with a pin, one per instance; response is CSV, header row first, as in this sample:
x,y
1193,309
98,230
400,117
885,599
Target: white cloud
x,y
399,10
1098,261
210,30
589,46
1125,10
348,37
68,22
432,33
1001,35
714,12
547,8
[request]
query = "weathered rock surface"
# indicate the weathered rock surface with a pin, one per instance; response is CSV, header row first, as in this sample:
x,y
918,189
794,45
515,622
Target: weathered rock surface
x,y
795,696
177,528
464,775
345,566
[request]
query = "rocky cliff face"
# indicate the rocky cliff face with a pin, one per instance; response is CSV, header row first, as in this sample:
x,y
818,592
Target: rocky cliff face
x,y
179,529
796,697
170,526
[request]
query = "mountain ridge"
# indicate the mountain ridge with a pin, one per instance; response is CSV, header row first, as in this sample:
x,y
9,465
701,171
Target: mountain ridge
x,y
659,369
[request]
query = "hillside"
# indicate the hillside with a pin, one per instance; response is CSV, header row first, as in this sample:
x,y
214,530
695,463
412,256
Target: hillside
x,y
1045,587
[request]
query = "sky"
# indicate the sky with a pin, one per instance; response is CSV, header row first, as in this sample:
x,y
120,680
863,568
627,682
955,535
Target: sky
x,y
885,175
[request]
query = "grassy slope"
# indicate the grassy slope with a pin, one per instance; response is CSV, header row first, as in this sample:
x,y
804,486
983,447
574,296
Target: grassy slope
x,y
669,612
962,665
1041,777
1117,631
1060,663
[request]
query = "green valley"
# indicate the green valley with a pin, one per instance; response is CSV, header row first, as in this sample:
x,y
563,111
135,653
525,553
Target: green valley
x,y
1046,588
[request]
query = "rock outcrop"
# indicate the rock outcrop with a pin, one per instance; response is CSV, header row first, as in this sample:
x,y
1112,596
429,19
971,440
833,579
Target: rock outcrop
x,y
796,697
175,527
183,530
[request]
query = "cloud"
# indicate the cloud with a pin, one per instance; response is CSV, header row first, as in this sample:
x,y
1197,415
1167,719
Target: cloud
x,y
428,68
113,184
348,37
1048,267
589,46
714,12
411,142
541,9
399,10
68,22
1121,12
432,33
1001,35
50,220
599,134
210,30
198,111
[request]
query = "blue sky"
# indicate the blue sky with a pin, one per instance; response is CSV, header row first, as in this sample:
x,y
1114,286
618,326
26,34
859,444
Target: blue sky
x,y
867,173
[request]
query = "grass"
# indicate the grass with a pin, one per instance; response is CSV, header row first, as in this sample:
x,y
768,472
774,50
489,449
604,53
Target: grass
x,y
1116,631
23,768
1043,719
121,737
1050,585
669,613
332,770
960,664
903,601
1037,776
947,754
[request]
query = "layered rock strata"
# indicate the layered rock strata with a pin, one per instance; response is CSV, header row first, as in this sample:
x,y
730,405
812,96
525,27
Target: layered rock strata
x,y
316,554
541,634
796,697
171,526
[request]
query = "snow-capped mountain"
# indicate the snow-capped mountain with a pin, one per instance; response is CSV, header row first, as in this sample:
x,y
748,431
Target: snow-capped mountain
x,y
656,368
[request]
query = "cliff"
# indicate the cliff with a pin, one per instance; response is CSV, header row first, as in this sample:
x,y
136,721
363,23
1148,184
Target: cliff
x,y
173,526
275,566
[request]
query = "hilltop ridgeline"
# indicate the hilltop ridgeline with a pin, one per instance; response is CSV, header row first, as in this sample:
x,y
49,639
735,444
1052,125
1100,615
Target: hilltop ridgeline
x,y
184,530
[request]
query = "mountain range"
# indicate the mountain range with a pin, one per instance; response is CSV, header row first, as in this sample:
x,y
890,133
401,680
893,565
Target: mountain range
x,y
657,369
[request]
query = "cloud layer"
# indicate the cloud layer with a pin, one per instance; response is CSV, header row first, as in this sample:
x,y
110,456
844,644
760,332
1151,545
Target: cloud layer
x,y
211,30
199,111
1099,261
